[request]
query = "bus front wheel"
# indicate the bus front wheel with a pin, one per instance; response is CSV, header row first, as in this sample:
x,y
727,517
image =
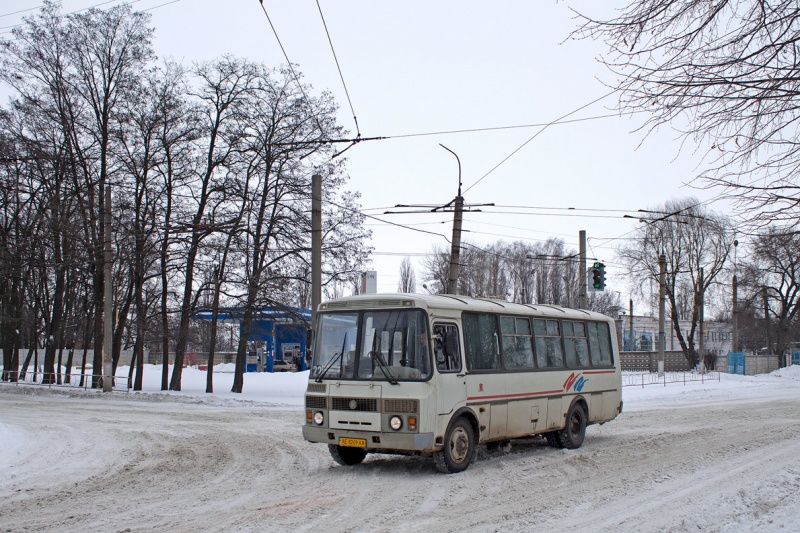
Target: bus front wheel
x,y
347,456
575,431
459,448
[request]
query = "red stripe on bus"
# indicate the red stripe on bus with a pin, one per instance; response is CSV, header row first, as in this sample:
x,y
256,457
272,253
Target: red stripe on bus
x,y
601,372
559,391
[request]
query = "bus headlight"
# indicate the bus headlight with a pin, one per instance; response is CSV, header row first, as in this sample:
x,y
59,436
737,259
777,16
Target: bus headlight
x,y
396,423
319,418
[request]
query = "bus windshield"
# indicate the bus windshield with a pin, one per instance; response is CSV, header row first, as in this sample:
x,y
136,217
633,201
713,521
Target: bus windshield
x,y
391,345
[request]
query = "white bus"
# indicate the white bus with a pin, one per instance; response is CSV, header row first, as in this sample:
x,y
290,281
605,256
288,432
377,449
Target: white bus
x,y
436,375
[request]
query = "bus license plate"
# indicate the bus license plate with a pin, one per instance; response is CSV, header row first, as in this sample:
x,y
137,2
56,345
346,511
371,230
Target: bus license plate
x,y
357,443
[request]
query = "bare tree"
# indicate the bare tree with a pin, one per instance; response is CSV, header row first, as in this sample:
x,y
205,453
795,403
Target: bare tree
x,y
695,244
408,282
76,70
725,73
213,180
225,84
772,283
520,272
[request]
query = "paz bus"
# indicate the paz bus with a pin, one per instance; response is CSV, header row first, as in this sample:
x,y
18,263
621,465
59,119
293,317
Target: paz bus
x,y
437,375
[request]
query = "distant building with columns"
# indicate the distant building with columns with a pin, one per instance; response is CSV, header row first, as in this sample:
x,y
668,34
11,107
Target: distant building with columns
x,y
644,334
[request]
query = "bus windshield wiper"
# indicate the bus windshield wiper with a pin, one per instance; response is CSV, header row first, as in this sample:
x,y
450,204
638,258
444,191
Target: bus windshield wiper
x,y
333,360
378,356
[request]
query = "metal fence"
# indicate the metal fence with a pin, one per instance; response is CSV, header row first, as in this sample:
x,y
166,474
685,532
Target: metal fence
x,y
674,361
71,380
630,379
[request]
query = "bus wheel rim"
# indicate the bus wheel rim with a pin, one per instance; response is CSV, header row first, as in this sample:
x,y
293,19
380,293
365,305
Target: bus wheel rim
x,y
459,445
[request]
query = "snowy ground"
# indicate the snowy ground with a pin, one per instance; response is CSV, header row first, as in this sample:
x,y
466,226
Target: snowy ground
x,y
715,456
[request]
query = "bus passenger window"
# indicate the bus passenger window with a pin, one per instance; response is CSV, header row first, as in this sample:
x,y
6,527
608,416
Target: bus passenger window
x,y
516,335
547,335
576,347
480,341
600,343
446,348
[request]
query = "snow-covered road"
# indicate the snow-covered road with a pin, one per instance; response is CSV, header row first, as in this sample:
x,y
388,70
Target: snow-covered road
x,y
719,456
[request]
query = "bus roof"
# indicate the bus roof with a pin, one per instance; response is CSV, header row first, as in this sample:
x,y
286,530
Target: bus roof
x,y
456,302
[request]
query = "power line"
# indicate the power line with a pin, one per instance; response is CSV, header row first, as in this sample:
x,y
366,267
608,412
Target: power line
x,y
405,226
566,208
289,64
129,2
575,215
518,126
21,11
339,68
509,156
453,132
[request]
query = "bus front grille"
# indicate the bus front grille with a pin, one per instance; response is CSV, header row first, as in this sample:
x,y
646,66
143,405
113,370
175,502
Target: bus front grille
x,y
316,402
401,406
355,404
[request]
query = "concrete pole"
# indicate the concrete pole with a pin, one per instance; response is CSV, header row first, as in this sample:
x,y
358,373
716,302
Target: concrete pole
x,y
582,269
316,247
766,318
631,339
702,343
108,303
735,338
455,250
662,304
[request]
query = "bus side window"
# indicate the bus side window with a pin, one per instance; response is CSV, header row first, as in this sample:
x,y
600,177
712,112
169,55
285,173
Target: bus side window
x,y
448,355
481,342
547,336
576,347
600,344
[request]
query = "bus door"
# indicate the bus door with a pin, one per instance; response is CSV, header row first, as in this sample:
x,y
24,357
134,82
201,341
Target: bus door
x,y
451,388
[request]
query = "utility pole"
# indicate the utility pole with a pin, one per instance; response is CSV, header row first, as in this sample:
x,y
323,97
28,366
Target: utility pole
x,y
735,338
632,339
455,249
582,269
108,304
702,343
766,318
316,247
662,298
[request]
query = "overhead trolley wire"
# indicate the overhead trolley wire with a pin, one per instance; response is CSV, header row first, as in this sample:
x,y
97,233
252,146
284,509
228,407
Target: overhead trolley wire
x,y
405,226
509,156
291,68
468,130
129,2
339,68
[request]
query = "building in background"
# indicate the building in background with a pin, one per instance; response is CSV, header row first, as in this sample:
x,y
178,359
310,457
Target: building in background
x,y
718,335
369,282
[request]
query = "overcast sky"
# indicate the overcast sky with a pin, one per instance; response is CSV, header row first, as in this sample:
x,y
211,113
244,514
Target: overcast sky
x,y
418,67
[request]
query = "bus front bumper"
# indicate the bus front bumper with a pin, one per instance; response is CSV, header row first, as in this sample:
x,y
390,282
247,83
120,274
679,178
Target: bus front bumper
x,y
412,442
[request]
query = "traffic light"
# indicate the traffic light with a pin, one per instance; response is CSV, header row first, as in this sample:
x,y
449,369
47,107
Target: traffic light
x,y
598,282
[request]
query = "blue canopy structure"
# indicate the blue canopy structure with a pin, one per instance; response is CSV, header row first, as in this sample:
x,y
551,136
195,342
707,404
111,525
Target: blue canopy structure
x,y
281,329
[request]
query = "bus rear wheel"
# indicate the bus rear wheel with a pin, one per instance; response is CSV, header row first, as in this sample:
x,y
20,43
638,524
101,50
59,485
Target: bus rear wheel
x,y
459,448
345,455
575,431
